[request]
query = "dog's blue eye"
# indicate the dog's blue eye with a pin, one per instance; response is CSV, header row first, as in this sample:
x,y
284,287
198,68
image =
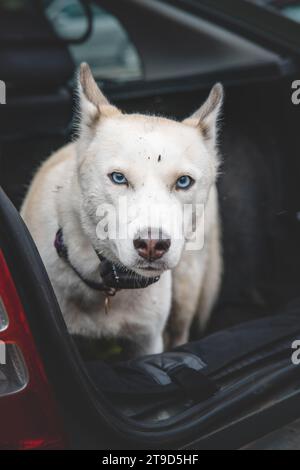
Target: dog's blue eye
x,y
185,182
118,178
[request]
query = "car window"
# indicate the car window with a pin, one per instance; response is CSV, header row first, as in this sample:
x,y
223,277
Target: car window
x,y
288,8
108,50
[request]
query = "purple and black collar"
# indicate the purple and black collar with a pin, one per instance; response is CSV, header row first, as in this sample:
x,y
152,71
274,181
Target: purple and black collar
x,y
113,277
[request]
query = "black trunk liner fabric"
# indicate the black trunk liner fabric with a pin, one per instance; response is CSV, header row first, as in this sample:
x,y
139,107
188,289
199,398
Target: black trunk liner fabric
x,y
219,355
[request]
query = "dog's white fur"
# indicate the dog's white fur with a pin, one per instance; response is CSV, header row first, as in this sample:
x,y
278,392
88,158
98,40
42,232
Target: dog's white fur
x,y
71,185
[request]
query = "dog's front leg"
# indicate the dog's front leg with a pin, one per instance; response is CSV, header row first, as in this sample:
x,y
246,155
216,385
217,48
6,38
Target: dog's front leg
x,y
156,344
149,345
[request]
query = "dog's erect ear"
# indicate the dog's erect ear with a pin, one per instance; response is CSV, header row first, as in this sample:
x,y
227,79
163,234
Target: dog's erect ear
x,y
93,104
206,118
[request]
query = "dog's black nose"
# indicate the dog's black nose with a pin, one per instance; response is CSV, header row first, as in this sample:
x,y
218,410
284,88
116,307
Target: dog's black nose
x,y
151,250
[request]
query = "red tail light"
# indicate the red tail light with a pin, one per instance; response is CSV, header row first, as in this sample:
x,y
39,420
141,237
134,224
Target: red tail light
x,y
29,415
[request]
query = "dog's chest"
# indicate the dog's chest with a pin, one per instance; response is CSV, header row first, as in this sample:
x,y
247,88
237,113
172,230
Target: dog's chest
x,y
146,310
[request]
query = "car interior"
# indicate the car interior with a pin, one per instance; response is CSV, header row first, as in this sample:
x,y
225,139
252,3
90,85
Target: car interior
x,y
235,383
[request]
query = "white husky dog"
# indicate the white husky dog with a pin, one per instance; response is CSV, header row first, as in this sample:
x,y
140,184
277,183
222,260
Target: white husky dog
x,y
153,163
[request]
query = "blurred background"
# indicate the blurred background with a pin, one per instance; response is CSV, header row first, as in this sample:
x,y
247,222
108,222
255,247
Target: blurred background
x,y
108,49
163,57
